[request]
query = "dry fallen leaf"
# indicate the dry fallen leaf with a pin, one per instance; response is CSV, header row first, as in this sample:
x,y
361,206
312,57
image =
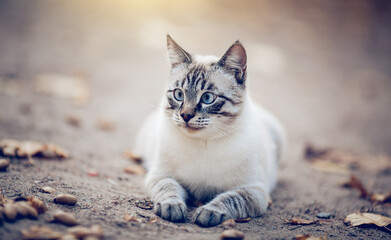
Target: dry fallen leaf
x,y
36,232
13,148
298,221
355,183
73,87
309,237
134,157
358,219
135,169
347,160
381,198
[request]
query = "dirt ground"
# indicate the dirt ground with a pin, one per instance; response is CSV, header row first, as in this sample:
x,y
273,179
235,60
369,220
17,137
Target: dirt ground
x,y
322,67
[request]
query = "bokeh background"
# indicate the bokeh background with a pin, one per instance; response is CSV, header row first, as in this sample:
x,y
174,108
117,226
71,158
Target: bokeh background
x,y
322,67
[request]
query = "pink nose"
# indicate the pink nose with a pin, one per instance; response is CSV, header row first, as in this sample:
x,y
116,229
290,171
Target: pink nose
x,y
187,117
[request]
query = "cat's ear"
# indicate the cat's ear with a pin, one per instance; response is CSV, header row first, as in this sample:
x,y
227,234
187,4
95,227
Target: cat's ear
x,y
235,61
176,54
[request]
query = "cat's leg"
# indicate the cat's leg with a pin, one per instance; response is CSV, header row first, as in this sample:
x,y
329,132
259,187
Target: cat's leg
x,y
168,197
248,201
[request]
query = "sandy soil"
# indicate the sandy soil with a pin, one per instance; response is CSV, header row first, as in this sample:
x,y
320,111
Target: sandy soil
x,y
322,67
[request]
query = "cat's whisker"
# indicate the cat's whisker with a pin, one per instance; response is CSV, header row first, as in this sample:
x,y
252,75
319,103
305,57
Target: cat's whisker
x,y
149,104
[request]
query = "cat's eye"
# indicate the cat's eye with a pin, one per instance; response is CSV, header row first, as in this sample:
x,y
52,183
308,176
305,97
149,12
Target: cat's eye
x,y
208,98
178,95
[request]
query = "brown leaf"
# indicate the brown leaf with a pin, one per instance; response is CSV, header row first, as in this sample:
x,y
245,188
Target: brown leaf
x,y
355,183
36,232
29,149
330,154
346,159
135,169
381,198
135,158
298,221
358,219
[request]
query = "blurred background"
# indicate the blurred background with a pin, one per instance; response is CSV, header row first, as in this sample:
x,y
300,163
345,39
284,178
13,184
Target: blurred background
x,y
323,67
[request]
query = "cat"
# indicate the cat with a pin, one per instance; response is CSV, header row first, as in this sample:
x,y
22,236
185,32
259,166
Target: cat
x,y
209,141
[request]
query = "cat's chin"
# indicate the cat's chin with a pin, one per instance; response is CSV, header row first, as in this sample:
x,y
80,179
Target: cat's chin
x,y
190,131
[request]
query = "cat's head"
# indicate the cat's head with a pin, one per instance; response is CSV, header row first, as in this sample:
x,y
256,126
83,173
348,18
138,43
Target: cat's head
x,y
205,95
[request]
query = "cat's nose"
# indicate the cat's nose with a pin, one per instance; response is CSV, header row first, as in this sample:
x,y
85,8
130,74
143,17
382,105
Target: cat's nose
x,y
187,117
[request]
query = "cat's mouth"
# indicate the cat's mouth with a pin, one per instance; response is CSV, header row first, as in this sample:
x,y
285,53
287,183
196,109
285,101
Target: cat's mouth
x,y
192,128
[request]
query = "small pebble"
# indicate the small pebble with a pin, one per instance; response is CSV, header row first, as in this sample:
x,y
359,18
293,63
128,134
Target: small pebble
x,y
232,234
37,204
92,173
28,210
4,163
10,211
66,199
229,223
48,190
65,218
324,215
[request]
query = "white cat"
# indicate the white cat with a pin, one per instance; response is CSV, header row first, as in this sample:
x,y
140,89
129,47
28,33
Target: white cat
x,y
209,141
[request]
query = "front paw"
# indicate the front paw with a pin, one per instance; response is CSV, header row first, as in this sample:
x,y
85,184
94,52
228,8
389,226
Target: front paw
x,y
209,216
173,210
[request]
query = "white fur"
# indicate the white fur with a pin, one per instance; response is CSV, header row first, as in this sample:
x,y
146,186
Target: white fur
x,y
248,155
217,165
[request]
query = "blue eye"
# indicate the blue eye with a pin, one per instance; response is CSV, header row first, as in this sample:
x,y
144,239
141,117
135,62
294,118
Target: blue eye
x,y
208,98
178,95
